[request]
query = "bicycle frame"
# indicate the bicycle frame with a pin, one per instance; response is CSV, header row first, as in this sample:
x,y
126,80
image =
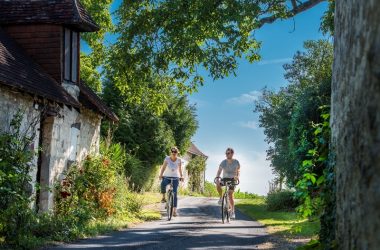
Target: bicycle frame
x,y
170,199
226,209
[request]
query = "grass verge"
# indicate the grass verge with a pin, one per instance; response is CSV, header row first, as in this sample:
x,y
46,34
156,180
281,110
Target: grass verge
x,y
282,223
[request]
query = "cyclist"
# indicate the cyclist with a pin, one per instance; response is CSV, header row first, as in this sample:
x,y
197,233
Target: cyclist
x,y
171,168
231,170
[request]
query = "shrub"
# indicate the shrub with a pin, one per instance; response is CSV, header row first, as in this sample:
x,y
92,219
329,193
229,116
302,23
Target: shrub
x,y
244,195
281,200
91,193
98,188
141,176
210,190
16,216
196,167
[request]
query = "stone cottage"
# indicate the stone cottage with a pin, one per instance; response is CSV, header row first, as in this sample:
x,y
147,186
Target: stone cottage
x,y
39,74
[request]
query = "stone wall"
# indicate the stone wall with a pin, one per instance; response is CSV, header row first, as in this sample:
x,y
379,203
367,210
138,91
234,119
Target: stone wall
x,y
68,138
89,134
58,146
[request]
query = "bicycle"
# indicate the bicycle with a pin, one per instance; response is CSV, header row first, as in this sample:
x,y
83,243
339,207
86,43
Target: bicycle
x,y
229,183
170,199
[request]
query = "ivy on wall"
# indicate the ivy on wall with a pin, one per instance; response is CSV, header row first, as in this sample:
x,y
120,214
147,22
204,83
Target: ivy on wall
x,y
196,168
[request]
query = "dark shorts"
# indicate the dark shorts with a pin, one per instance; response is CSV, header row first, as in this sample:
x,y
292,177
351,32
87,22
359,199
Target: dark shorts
x,y
224,180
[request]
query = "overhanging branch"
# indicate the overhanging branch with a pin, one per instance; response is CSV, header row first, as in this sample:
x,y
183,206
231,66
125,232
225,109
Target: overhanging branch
x,y
296,9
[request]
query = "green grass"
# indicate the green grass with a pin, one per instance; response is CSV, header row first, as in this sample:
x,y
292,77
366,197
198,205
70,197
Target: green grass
x,y
282,223
95,227
148,198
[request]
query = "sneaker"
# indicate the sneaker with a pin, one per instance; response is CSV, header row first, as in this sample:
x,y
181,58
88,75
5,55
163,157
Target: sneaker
x,y
220,201
232,215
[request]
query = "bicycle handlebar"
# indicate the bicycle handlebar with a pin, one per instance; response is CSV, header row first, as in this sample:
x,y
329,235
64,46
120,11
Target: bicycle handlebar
x,y
235,182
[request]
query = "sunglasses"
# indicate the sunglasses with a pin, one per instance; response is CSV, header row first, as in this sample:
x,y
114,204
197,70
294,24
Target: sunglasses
x,y
174,152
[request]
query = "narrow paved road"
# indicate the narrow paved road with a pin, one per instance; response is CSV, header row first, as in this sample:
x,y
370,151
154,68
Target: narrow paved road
x,y
198,227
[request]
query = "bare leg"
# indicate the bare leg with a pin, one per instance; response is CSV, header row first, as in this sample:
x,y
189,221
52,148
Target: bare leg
x,y
219,188
232,202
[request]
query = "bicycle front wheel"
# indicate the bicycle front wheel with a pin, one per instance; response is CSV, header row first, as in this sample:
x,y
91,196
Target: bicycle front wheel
x,y
225,205
170,205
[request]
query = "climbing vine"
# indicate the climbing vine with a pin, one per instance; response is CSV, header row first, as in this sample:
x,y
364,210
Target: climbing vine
x,y
195,168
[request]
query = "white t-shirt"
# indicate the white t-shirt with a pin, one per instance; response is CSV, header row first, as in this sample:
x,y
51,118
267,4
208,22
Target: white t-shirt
x,y
172,169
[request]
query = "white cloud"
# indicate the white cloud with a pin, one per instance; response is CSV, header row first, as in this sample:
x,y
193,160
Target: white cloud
x,y
255,170
246,98
275,61
249,124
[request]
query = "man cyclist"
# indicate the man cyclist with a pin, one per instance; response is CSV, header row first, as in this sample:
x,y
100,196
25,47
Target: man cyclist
x,y
171,168
231,171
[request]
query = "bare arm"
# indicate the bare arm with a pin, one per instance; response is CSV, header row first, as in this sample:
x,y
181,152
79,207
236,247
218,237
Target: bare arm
x,y
238,173
180,170
219,171
163,169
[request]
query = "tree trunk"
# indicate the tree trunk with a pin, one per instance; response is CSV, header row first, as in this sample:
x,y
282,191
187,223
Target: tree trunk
x,y
356,123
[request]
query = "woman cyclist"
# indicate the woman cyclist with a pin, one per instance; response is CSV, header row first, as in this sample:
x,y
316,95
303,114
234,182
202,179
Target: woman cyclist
x,y
171,168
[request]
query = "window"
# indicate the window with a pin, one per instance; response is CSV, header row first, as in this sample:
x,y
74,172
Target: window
x,y
74,136
71,55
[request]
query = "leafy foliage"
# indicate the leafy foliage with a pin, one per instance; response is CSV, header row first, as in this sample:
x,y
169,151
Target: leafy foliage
x,y
90,62
163,44
317,187
97,188
196,168
147,135
15,188
327,25
88,200
181,119
287,115
296,124
283,200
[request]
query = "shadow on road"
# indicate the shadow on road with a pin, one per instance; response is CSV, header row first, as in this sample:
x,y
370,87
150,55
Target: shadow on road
x,y
199,226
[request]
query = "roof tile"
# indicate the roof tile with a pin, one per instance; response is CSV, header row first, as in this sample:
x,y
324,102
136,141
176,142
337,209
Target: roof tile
x,y
20,71
91,100
194,150
67,12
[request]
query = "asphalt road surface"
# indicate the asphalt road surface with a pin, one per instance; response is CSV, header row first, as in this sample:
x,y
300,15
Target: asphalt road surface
x,y
198,226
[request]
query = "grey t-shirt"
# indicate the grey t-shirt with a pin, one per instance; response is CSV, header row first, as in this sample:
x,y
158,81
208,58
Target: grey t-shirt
x,y
229,170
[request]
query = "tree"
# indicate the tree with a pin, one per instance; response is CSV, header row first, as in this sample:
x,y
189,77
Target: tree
x,y
180,116
90,62
287,115
176,39
148,136
356,122
295,121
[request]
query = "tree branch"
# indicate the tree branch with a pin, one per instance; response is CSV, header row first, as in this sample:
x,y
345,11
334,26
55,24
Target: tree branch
x,y
296,9
294,3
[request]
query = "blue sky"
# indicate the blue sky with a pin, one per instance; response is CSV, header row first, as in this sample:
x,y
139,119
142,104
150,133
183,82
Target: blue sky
x,y
225,107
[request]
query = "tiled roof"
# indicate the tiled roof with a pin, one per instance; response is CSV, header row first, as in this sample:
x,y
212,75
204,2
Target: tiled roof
x,y
17,70
68,12
89,99
195,151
